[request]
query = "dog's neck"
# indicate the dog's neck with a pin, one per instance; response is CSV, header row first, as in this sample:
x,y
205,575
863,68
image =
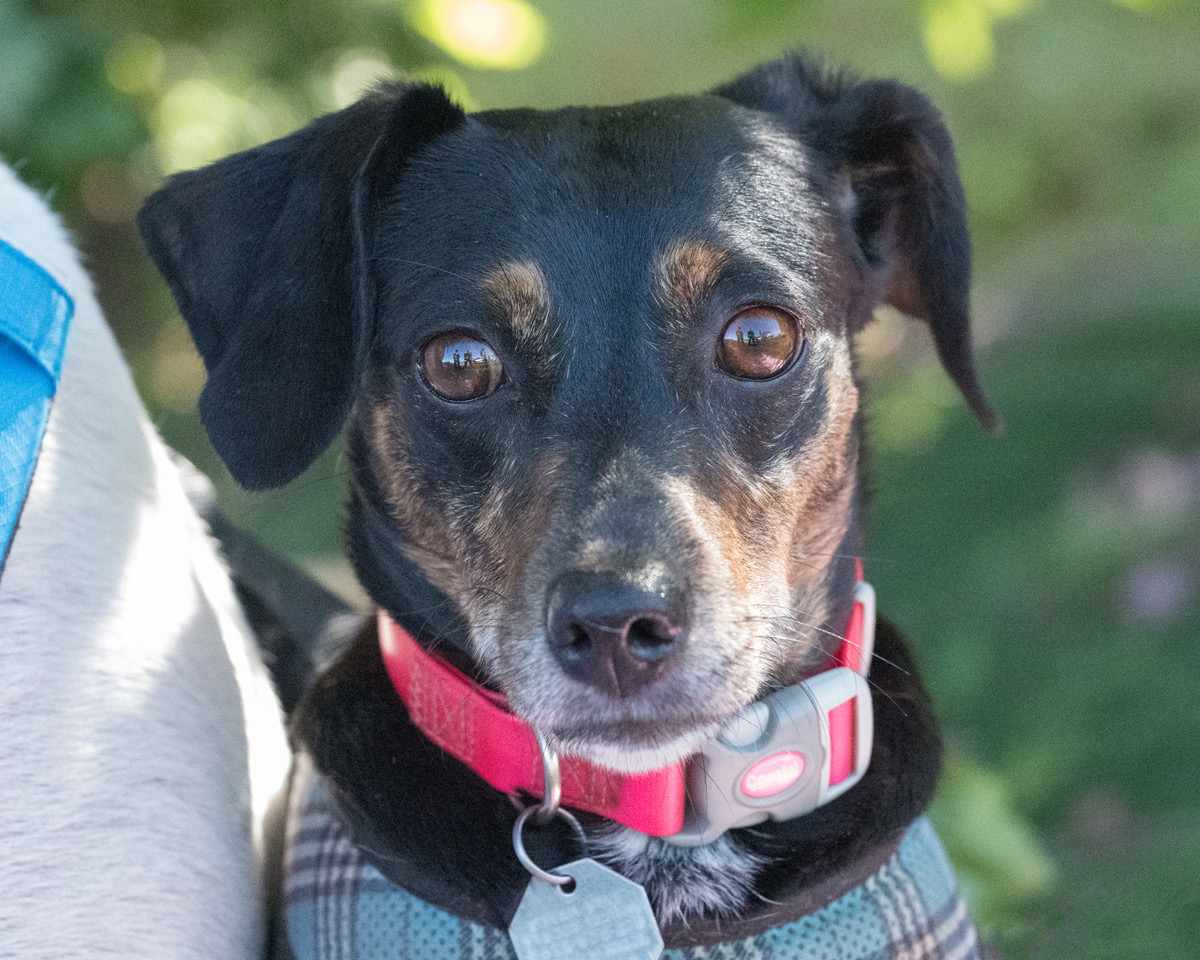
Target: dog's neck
x,y
431,825
397,584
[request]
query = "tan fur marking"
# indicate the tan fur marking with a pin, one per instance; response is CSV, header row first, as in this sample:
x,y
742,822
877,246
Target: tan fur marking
x,y
777,532
507,510
825,483
687,272
387,450
519,291
423,525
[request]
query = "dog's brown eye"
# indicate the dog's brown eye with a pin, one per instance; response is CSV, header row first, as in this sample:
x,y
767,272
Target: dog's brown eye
x,y
759,343
459,367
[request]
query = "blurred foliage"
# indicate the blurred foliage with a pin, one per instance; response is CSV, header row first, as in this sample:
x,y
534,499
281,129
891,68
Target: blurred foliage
x,y
1001,866
1050,578
1054,586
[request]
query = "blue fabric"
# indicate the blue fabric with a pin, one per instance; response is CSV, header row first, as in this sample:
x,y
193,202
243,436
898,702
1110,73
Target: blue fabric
x,y
35,315
339,907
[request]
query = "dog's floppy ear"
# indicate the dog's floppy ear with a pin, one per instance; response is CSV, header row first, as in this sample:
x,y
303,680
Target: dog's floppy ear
x,y
267,255
892,152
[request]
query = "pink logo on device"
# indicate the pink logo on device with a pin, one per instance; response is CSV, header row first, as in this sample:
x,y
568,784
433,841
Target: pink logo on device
x,y
772,775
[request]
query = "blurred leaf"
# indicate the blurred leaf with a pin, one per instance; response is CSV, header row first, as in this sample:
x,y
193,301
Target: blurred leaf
x,y
751,16
29,60
1000,861
85,123
958,37
357,69
135,64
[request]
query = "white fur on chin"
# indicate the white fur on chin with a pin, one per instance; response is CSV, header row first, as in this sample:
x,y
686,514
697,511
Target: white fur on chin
x,y
623,759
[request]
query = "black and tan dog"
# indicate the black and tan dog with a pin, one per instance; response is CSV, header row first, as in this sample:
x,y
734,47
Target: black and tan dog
x,y
605,433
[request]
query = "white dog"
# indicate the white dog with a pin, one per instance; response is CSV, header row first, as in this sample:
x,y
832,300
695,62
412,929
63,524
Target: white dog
x,y
140,741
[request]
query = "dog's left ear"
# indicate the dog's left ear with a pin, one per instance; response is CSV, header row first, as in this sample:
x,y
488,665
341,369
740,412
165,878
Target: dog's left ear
x,y
268,255
890,149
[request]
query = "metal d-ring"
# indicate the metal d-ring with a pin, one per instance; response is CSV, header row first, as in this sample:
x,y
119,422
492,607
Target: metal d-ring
x,y
558,879
551,782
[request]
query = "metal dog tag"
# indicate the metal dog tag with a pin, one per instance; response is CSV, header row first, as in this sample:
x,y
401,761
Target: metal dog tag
x,y
605,917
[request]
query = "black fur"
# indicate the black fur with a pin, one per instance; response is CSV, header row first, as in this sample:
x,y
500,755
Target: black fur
x,y
265,253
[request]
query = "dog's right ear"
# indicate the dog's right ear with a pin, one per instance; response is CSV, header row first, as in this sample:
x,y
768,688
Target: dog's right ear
x,y
268,255
903,200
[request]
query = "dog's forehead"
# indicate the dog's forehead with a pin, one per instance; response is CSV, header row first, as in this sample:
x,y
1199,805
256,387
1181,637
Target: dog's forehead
x,y
573,188
646,143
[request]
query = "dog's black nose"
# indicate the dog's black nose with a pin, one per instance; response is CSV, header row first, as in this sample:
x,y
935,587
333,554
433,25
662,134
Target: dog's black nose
x,y
610,634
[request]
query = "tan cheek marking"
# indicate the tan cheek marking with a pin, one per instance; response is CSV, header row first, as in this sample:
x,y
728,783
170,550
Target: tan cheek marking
x,y
388,457
511,516
819,534
518,290
470,556
721,526
736,514
712,571
767,540
424,525
753,535
825,478
794,518
687,272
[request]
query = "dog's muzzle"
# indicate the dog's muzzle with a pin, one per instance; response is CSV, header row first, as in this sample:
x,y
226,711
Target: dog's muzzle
x,y
781,757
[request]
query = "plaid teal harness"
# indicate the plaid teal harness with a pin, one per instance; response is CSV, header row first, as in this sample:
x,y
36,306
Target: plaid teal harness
x,y
339,907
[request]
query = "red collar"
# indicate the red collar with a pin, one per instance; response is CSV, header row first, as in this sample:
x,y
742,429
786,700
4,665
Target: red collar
x,y
473,725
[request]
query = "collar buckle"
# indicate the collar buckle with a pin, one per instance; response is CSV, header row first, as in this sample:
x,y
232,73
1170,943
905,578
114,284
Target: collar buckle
x,y
792,751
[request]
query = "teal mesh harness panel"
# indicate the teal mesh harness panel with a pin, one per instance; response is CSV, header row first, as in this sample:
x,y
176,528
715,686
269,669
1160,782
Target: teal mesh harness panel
x,y
339,907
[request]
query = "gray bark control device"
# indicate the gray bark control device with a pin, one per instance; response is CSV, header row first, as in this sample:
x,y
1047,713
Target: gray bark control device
x,y
787,754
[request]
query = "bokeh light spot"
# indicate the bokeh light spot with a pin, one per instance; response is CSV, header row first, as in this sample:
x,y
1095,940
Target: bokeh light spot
x,y
1139,6
135,64
355,72
195,123
1007,8
500,34
958,38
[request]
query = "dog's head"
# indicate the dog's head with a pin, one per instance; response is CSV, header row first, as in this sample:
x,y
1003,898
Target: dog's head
x,y
597,364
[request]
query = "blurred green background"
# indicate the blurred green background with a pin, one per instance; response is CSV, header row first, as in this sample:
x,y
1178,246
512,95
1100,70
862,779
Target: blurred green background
x,y
1050,579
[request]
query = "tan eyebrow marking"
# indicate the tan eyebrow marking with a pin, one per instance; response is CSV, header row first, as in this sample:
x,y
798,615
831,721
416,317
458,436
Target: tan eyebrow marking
x,y
519,291
687,272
